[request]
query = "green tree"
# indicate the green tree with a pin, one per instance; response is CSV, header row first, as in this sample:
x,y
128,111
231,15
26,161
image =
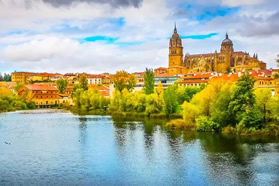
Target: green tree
x,y
149,81
18,86
61,85
242,105
219,106
263,98
277,60
83,82
171,104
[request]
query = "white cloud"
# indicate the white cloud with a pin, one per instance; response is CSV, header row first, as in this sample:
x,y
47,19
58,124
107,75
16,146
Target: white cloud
x,y
39,48
242,2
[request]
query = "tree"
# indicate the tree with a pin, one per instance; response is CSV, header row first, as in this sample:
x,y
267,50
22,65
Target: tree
x,y
61,85
83,82
171,104
131,83
219,106
277,60
242,105
160,88
149,81
18,86
123,79
263,98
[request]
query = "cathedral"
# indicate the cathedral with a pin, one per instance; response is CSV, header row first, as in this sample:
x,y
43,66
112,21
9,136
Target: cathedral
x,y
227,60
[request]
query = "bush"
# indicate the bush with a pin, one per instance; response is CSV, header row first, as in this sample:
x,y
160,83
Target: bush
x,y
18,105
31,105
181,124
205,124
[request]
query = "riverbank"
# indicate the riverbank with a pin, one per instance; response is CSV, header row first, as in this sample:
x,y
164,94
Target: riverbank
x,y
269,129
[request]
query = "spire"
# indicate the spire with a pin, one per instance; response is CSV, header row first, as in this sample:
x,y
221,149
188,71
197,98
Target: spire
x,y
175,30
227,36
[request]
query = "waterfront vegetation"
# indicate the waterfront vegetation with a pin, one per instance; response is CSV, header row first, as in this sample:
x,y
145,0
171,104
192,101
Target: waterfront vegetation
x,y
222,106
9,101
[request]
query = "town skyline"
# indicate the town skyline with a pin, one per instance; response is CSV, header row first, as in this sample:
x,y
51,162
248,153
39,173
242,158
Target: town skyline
x,y
47,36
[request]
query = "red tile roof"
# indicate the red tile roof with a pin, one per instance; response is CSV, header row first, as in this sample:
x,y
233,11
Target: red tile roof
x,y
226,77
93,76
161,68
40,87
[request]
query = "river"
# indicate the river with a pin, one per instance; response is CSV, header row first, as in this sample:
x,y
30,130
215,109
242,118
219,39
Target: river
x,y
45,147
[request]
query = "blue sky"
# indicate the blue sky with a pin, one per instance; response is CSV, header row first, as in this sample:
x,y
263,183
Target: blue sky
x,y
106,36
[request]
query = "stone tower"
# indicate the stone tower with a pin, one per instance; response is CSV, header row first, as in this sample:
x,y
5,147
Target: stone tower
x,y
227,45
225,55
175,54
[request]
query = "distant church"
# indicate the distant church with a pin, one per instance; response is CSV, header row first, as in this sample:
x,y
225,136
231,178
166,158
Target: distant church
x,y
227,60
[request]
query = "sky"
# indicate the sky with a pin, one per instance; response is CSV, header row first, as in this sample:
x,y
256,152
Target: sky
x,y
97,36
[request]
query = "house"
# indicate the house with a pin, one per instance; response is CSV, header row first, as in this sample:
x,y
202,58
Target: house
x,y
43,95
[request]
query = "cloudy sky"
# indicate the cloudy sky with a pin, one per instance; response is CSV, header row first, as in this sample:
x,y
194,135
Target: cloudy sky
x,y
108,35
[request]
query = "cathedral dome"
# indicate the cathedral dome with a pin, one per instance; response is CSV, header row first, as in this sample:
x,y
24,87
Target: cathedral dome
x,y
227,40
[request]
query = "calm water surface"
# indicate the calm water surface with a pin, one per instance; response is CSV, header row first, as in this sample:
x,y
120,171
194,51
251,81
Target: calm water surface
x,y
50,148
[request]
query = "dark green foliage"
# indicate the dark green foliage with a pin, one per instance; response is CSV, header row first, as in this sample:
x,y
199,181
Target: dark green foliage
x,y
5,77
242,105
149,81
31,105
170,99
205,124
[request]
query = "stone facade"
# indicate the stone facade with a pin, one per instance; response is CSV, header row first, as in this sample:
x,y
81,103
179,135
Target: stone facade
x,y
227,60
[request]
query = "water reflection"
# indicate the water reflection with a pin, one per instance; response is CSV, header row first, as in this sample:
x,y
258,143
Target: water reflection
x,y
100,150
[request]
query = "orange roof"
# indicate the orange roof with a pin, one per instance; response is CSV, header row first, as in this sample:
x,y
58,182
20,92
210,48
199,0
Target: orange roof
x,y
69,74
40,87
93,76
199,76
161,68
226,77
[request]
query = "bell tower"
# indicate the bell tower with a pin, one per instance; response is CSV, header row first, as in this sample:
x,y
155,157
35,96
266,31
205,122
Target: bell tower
x,y
175,53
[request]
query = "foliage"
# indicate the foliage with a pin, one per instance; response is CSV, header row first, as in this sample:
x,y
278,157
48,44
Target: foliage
x,y
187,93
263,102
242,104
205,124
160,89
12,103
88,101
190,113
5,77
219,107
149,81
154,103
18,86
171,104
277,60
61,85
5,91
83,83
122,80
181,124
